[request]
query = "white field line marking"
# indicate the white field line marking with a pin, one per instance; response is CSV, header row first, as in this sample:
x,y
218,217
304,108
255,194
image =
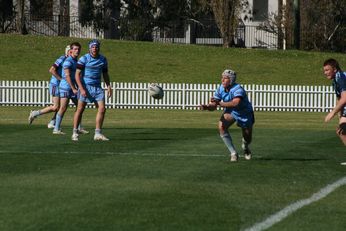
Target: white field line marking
x,y
279,216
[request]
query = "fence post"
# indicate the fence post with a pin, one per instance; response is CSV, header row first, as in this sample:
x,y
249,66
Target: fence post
x,y
324,96
43,93
253,97
184,96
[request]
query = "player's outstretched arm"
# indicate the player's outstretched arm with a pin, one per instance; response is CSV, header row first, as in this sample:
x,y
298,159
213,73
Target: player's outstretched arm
x,y
339,105
233,103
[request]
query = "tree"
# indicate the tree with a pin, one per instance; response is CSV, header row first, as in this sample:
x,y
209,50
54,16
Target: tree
x,y
280,24
137,20
98,13
141,16
90,14
20,17
226,14
323,25
6,15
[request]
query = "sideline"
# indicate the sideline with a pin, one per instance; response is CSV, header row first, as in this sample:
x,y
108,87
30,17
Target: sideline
x,y
282,214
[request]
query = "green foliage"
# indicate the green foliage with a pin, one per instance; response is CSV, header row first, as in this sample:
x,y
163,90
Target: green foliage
x,y
137,21
323,25
97,13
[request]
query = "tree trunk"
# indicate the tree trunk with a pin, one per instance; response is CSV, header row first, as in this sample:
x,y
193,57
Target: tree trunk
x,y
226,16
21,28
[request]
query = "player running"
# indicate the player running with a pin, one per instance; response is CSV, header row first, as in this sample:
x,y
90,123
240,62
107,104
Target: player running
x,y
90,67
237,108
56,71
332,71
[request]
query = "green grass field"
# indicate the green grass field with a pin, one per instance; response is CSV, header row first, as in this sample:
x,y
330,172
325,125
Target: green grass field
x,y
167,170
29,58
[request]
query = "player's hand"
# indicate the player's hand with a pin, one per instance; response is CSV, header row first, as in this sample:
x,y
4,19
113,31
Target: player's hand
x,y
213,100
83,93
203,107
209,107
329,117
75,91
109,91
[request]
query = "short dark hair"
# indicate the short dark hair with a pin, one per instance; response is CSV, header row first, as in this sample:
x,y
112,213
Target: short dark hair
x,y
333,63
77,44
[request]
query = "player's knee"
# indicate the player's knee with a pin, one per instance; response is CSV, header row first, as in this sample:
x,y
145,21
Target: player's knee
x,y
55,108
341,130
102,110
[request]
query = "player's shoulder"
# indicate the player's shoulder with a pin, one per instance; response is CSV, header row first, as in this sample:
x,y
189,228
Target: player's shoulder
x,y
69,58
84,58
60,59
237,87
68,61
102,57
340,77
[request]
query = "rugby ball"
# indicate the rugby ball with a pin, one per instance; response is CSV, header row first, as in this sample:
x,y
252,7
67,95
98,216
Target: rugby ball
x,y
155,91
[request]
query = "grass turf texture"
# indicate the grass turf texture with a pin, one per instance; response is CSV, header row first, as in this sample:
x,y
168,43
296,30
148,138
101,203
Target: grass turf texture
x,y
166,170
29,58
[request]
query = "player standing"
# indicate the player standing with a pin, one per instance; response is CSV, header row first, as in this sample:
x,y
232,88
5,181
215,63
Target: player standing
x,y
56,71
90,68
68,87
237,108
332,71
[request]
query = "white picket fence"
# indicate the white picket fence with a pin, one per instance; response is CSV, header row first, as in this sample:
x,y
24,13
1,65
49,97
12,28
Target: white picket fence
x,y
180,96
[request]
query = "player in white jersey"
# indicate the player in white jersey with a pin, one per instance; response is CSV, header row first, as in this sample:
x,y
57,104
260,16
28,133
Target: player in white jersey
x,y
56,71
237,109
90,68
333,72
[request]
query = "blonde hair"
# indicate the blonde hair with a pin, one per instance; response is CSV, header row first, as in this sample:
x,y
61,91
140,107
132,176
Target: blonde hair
x,y
67,49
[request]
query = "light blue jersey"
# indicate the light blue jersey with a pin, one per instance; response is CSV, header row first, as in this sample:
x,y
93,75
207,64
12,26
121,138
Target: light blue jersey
x,y
71,64
339,85
92,68
243,113
58,66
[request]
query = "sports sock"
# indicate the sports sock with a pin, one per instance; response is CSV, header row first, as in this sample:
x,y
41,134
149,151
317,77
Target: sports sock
x,y
54,116
227,139
245,145
36,113
97,131
58,122
75,131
